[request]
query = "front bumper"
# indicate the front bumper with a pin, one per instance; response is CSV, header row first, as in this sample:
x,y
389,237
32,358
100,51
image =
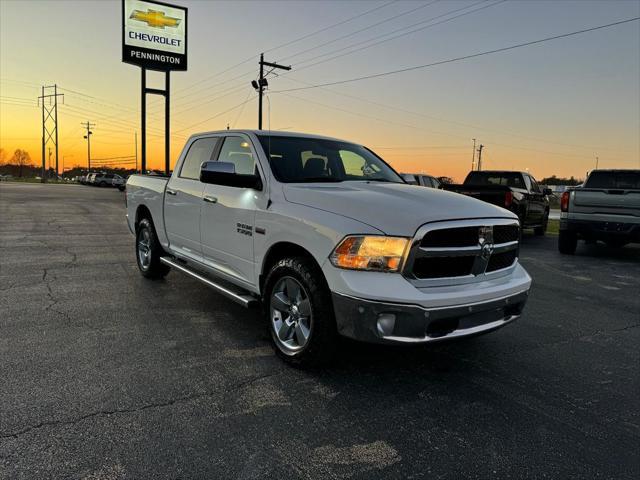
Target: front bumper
x,y
384,322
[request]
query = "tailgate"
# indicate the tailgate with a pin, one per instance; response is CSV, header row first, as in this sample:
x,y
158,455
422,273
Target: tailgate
x,y
614,202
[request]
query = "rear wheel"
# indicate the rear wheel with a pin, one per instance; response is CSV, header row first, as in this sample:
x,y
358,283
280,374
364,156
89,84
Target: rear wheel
x,y
567,242
299,312
542,229
102,184
149,251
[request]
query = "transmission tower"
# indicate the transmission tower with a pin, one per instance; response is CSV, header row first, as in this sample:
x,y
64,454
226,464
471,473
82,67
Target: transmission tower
x,y
49,122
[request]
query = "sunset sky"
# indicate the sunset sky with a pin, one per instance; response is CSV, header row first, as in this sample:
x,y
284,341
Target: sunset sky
x,y
550,108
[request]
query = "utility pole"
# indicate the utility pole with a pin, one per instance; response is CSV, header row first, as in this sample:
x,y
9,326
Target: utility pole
x,y
88,126
49,122
136,140
262,83
597,160
49,169
480,157
473,154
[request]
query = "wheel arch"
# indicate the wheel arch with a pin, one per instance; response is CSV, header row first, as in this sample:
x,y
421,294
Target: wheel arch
x,y
280,250
142,212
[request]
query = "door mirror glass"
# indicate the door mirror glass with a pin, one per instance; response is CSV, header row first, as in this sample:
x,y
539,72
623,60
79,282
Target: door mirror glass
x,y
547,191
410,179
224,173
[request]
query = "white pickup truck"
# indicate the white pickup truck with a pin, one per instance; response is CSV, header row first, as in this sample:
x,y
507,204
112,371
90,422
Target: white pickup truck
x,y
330,240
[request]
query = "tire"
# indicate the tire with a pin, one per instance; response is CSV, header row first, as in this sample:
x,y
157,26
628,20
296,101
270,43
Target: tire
x,y
311,310
567,242
102,184
149,251
616,243
542,229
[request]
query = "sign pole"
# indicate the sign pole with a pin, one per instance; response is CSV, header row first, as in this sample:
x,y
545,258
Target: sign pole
x,y
167,133
143,114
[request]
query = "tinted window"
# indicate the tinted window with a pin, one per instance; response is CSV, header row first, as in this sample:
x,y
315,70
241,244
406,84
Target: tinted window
x,y
506,179
623,180
534,185
300,159
236,150
200,151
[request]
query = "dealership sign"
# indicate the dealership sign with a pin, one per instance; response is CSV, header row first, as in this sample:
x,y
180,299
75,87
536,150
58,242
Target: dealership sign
x,y
154,35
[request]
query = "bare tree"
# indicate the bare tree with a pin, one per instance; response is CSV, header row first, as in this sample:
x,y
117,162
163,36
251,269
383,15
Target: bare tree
x,y
21,158
3,157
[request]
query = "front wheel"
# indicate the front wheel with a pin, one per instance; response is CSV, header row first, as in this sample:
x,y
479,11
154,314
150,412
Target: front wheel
x,y
567,242
299,312
149,251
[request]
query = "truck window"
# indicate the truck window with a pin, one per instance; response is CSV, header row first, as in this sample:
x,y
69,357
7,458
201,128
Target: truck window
x,y
310,159
200,151
534,185
236,150
610,179
506,179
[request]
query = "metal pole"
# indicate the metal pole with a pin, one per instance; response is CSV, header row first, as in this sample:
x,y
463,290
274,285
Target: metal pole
x,y
473,154
143,111
480,157
167,132
88,145
260,87
136,140
42,179
55,106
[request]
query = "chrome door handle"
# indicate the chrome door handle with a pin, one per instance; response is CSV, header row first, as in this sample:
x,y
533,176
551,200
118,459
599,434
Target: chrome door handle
x,y
171,192
210,199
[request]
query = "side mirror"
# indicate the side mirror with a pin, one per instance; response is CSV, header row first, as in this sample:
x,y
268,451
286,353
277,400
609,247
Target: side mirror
x,y
547,191
410,179
224,173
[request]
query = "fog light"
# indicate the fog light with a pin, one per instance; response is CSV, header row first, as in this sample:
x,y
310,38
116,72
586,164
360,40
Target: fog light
x,y
386,323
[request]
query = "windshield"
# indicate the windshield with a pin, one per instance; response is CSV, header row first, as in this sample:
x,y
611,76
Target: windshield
x,y
619,179
302,160
506,179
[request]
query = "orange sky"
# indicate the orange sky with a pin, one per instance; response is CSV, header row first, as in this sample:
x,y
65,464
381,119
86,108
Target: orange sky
x,y
550,109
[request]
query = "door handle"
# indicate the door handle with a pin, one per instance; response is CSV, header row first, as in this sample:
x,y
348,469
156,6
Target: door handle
x,y
171,192
210,199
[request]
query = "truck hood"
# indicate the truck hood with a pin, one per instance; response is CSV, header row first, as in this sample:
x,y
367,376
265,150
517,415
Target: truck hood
x,y
393,208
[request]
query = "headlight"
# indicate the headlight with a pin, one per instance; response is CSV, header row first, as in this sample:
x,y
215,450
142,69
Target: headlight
x,y
383,254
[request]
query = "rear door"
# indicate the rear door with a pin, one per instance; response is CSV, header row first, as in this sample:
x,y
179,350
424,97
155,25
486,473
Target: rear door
x,y
537,201
228,214
183,199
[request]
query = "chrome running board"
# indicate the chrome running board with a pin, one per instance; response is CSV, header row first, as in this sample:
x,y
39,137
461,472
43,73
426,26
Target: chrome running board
x,y
243,298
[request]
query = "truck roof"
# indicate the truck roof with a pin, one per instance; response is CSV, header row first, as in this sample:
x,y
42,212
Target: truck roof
x,y
273,133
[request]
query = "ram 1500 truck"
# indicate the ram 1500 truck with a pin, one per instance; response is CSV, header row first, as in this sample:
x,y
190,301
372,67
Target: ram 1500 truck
x,y
330,240
515,191
606,207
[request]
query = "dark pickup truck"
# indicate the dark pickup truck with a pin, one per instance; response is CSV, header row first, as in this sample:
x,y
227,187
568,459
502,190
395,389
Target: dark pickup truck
x,y
515,191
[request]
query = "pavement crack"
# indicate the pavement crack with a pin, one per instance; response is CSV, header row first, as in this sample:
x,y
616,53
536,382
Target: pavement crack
x,y
167,403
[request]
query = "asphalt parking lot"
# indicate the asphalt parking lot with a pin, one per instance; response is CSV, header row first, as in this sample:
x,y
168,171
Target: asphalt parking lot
x,y
106,375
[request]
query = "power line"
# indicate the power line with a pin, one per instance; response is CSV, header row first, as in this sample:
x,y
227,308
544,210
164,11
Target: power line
x,y
342,22
466,57
216,115
337,39
399,35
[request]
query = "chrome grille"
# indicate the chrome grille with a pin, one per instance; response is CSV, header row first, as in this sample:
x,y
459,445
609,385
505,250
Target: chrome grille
x,y
462,251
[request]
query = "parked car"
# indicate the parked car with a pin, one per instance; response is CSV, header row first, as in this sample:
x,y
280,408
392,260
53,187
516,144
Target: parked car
x,y
606,208
103,179
119,182
330,239
421,179
516,191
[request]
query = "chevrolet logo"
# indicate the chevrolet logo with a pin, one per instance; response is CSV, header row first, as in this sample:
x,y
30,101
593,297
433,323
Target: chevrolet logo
x,y
155,18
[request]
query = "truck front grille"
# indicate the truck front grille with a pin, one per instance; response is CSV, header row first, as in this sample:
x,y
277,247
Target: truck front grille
x,y
465,249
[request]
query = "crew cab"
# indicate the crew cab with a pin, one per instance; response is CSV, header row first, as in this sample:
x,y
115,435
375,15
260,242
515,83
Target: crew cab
x,y
330,240
516,191
606,208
